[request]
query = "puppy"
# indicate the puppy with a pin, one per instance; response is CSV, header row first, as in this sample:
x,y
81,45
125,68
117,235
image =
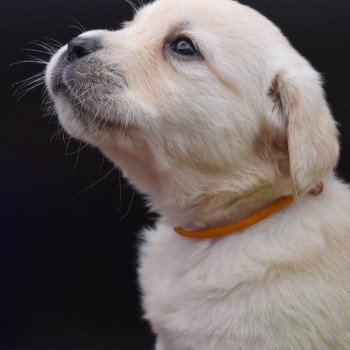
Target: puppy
x,y
210,112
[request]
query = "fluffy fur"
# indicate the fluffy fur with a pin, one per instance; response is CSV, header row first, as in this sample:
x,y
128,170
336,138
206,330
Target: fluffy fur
x,y
211,139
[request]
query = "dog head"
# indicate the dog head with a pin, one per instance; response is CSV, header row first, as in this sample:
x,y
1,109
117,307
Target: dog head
x,y
197,98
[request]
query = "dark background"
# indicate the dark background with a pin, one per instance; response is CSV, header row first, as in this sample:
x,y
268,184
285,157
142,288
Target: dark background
x,y
67,248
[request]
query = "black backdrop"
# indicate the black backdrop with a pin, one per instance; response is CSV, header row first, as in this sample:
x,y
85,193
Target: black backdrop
x,y
68,251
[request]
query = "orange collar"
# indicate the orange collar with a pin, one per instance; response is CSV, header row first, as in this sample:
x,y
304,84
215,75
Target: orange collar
x,y
239,225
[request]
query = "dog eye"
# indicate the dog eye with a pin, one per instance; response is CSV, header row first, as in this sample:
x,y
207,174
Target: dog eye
x,y
184,47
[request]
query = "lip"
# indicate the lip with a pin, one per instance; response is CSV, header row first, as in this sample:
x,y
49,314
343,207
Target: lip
x,y
57,83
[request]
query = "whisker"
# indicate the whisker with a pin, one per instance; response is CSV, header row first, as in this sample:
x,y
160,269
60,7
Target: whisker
x,y
79,149
91,89
133,6
28,82
54,40
101,165
46,44
120,190
93,119
97,182
129,207
51,49
77,158
34,50
76,27
80,26
57,133
47,106
24,80
67,145
46,100
106,113
141,3
27,86
38,61
23,91
64,139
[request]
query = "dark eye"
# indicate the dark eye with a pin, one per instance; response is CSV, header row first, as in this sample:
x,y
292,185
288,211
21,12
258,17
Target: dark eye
x,y
184,47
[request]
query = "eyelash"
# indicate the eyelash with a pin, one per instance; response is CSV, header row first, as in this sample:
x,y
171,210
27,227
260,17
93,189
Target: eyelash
x,y
170,45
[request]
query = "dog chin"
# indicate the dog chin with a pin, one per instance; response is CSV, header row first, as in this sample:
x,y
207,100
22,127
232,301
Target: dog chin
x,y
83,125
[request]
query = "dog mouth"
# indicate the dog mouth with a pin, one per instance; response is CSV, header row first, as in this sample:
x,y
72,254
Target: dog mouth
x,y
90,89
56,80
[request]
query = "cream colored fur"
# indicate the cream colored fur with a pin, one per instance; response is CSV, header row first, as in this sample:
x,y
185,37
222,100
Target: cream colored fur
x,y
210,140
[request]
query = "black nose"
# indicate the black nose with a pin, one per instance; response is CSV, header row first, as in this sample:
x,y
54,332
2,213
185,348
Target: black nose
x,y
79,47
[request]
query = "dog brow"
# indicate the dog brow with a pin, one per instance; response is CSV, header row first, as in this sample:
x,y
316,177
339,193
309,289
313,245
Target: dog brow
x,y
179,27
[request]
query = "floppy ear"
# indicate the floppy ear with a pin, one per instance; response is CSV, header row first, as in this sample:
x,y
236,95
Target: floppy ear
x,y
311,131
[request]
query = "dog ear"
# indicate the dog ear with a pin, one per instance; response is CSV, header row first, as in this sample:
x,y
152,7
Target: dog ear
x,y
310,129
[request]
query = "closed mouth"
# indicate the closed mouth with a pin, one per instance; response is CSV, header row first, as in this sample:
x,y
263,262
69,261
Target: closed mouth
x,y
57,83
86,95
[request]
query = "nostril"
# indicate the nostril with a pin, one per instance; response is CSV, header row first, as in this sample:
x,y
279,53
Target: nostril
x,y
79,47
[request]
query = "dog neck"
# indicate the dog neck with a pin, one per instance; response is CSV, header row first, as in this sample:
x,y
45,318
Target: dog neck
x,y
196,201
223,208
239,225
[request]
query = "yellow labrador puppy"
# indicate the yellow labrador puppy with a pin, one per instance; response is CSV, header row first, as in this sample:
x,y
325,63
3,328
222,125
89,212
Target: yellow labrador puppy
x,y
209,111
